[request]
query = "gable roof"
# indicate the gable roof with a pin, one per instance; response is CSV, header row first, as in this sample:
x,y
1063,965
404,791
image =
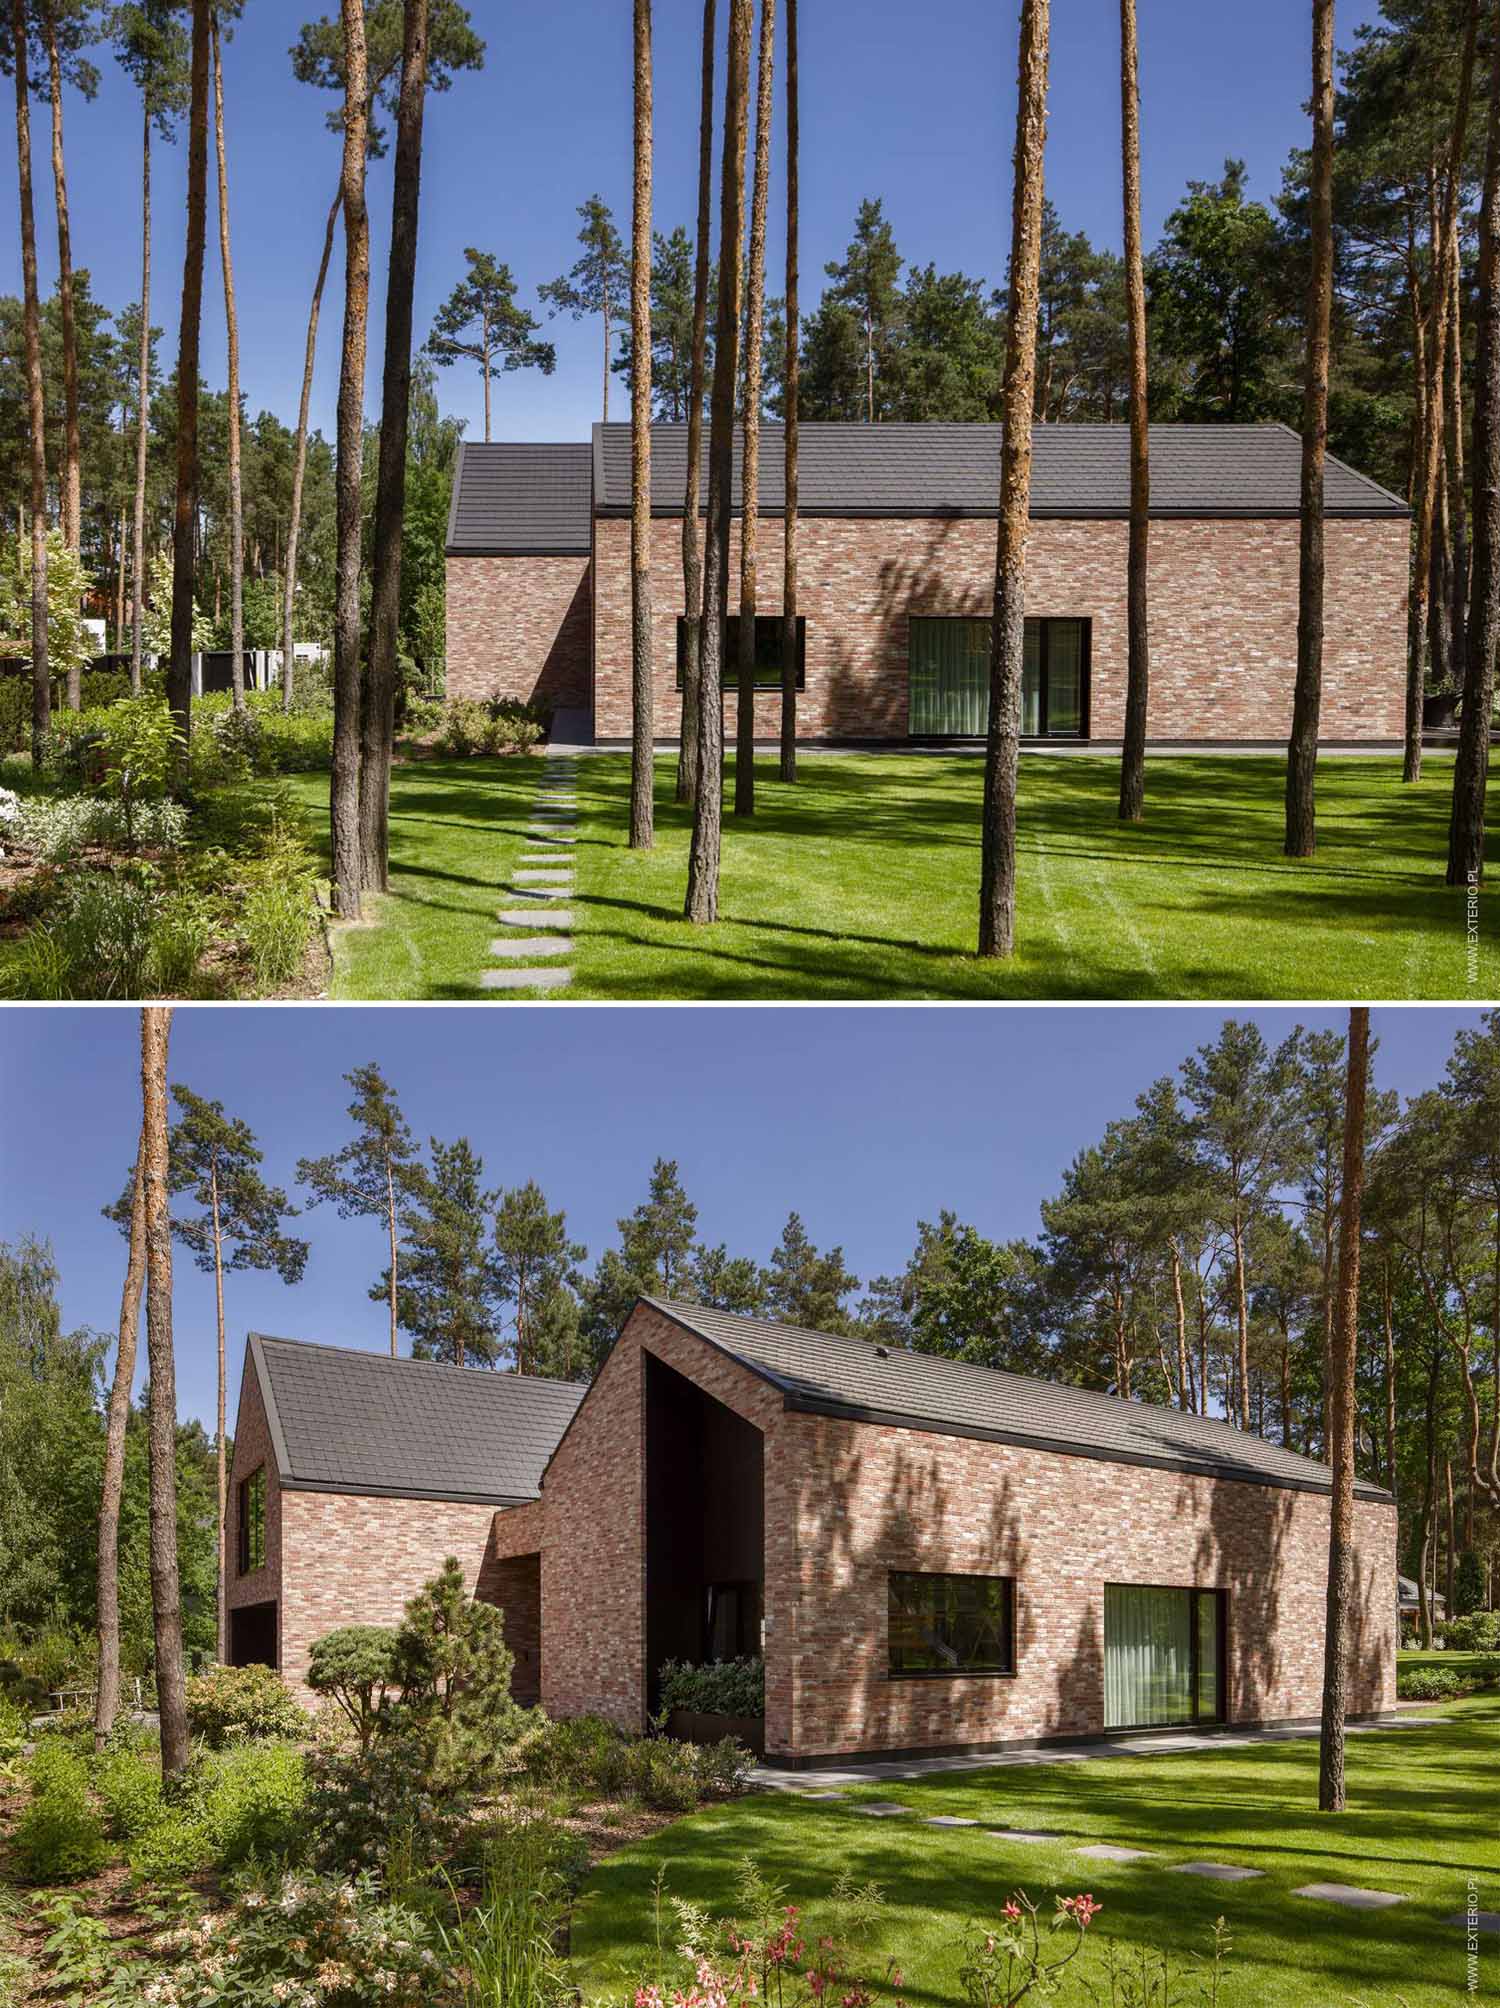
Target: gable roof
x,y
954,470
345,1421
820,1373
521,499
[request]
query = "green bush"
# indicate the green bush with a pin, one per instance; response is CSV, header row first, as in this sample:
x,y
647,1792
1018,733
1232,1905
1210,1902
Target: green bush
x,y
718,1687
237,1704
493,725
1479,1632
587,1754
98,942
59,1837
1444,1683
172,1848
277,910
129,1786
255,1804
55,828
15,712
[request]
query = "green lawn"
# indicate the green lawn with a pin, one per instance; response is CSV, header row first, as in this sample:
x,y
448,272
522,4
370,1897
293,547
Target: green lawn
x,y
1424,1810
861,881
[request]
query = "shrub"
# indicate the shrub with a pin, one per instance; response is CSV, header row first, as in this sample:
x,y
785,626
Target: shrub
x,y
496,725
354,1667
277,910
1479,1632
56,828
255,1804
588,1754
139,742
237,1704
129,1788
172,1848
59,1838
1428,1683
719,1687
96,944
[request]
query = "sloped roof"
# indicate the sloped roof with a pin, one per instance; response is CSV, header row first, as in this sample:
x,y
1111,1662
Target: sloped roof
x,y
820,1373
345,1421
954,470
521,499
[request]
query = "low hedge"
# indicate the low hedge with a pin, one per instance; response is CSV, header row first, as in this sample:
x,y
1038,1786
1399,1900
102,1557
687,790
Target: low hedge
x,y
1446,1683
718,1687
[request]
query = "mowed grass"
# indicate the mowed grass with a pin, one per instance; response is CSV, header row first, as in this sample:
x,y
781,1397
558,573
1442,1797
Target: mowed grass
x,y
861,881
1424,1813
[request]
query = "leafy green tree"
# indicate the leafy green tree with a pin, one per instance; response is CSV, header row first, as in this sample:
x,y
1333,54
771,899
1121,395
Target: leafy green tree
x,y
807,1286
960,1295
1468,1584
374,1173
481,321
536,1264
446,1294
598,282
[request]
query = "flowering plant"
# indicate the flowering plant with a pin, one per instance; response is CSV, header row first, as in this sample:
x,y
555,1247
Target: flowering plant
x,y
1007,1962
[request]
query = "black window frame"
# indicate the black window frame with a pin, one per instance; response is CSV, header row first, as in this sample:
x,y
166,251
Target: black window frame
x,y
768,679
973,1672
746,1592
1042,622
249,1557
1197,1719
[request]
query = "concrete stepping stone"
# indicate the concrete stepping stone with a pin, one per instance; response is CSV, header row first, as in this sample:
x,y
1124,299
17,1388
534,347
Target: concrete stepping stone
x,y
546,977
1216,1871
882,1809
543,891
1106,1851
513,945
1484,1920
556,916
542,833
546,874
1349,1896
948,1820
815,1795
1021,1834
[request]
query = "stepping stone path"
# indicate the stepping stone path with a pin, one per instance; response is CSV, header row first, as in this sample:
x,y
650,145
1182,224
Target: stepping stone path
x,y
1106,1851
1345,1893
1216,1871
949,1820
882,1809
1484,1920
530,960
1021,1834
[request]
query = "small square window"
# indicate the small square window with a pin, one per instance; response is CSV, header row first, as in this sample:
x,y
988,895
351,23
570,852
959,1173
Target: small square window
x,y
252,1522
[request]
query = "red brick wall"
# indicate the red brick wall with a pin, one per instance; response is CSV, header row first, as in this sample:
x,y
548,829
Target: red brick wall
x,y
252,1448
1223,620
845,1503
519,627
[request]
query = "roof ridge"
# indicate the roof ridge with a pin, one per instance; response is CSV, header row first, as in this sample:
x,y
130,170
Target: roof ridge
x,y
501,1375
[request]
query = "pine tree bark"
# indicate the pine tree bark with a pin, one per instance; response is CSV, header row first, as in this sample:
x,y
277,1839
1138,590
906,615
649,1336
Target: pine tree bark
x,y
378,717
36,409
702,901
692,544
1387,1310
71,483
1138,645
642,685
143,408
1458,547
166,1600
791,393
185,511
997,893
299,466
348,676
755,309
112,1483
221,1630
1301,839
1471,767
1445,256
232,332
1337,1633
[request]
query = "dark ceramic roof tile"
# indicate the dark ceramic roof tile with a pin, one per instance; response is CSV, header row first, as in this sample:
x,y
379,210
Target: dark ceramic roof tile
x,y
521,499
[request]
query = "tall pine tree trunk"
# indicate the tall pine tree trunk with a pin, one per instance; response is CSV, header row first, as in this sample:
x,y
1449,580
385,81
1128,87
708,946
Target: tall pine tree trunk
x,y
112,1482
997,892
1337,1636
299,465
1458,547
185,512
755,307
642,688
71,482
143,408
791,392
1138,645
1471,768
221,1462
166,1597
348,678
36,408
232,332
702,902
1301,837
692,536
378,721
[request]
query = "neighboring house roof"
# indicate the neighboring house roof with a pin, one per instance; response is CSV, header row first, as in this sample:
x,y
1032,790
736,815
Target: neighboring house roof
x,y
1407,1592
521,500
345,1421
954,470
822,1374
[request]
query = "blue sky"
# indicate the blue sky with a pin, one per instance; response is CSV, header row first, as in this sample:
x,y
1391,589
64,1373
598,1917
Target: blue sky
x,y
916,107
863,1120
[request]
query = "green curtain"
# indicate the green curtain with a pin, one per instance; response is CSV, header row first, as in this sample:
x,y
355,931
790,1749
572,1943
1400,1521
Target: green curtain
x,y
1148,1655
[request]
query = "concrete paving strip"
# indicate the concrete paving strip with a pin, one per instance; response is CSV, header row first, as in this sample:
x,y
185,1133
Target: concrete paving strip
x,y
544,875
546,977
1349,1896
1483,1920
1216,1871
543,891
882,1809
513,945
555,916
1106,1851
1021,1834
949,1820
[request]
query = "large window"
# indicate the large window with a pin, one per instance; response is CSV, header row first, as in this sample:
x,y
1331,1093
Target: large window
x,y
252,1503
767,651
1163,1656
951,1625
948,670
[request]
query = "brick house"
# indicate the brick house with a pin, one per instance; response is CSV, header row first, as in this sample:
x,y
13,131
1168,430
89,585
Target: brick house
x,y
930,1555
896,556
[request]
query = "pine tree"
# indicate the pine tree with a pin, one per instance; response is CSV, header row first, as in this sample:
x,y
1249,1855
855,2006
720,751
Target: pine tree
x,y
481,321
376,1170
535,1267
804,1286
445,1296
599,280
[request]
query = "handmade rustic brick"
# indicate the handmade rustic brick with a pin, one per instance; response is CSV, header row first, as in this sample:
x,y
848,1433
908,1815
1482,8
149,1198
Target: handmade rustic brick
x,y
519,627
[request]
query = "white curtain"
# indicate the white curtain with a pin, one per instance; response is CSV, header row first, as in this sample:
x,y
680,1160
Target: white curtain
x,y
1147,1656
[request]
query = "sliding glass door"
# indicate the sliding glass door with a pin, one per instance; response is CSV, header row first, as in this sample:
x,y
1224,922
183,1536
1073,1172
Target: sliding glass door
x,y
948,671
1163,1656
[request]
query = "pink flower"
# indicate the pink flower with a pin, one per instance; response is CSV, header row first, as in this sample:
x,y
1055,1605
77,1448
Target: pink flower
x,y
1082,1909
1013,1911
